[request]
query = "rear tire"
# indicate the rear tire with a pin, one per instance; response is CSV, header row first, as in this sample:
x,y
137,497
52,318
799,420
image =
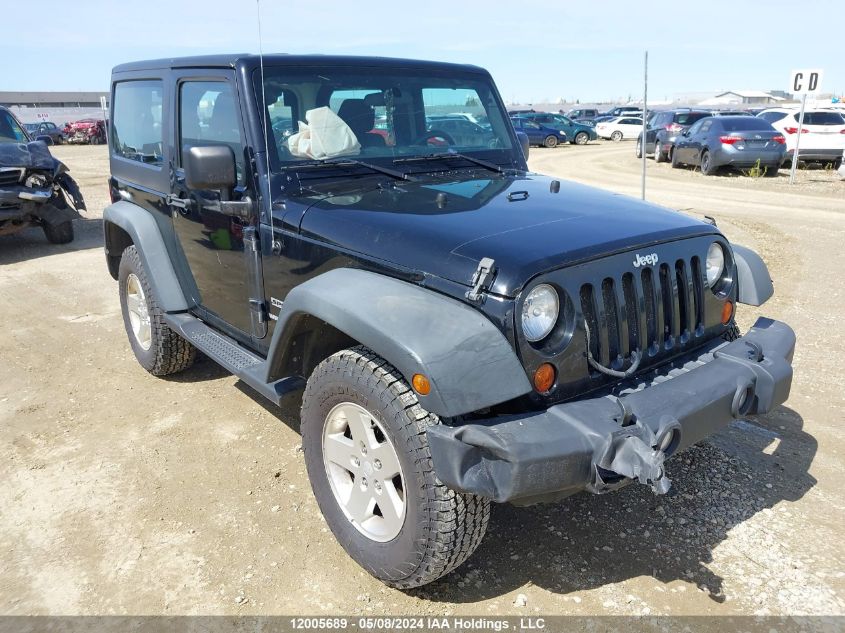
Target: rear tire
x,y
659,157
582,138
550,141
61,233
706,163
356,393
616,136
159,350
772,171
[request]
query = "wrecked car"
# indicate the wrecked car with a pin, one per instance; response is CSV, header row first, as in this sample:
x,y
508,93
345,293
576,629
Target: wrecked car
x,y
455,329
86,131
35,188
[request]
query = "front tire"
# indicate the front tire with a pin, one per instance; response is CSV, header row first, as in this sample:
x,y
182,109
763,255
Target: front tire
x,y
159,350
61,233
639,150
369,463
550,141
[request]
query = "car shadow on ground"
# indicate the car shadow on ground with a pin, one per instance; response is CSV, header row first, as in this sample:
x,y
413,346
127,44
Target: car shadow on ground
x,y
590,541
31,242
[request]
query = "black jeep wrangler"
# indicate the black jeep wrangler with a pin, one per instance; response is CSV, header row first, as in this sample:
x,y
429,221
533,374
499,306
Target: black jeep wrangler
x,y
458,329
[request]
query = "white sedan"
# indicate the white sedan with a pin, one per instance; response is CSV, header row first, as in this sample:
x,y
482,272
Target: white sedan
x,y
620,128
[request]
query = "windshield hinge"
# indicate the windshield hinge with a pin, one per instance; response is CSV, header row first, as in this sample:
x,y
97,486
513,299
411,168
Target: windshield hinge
x,y
481,280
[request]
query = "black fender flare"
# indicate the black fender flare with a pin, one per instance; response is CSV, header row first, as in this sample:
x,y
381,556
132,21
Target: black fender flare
x,y
468,361
752,276
145,234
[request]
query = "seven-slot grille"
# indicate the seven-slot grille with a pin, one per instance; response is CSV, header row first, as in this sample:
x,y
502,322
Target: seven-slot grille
x,y
10,176
656,310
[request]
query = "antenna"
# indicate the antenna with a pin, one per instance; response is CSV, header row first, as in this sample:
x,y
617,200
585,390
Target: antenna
x,y
266,130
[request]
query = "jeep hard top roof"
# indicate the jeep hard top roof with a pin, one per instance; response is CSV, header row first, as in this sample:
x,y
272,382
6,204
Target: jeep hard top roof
x,y
283,59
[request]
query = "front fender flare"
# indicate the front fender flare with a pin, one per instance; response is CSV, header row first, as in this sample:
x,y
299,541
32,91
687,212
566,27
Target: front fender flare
x,y
468,361
143,230
753,278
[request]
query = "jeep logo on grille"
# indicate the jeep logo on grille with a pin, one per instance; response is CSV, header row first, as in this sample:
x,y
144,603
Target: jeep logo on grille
x,y
645,260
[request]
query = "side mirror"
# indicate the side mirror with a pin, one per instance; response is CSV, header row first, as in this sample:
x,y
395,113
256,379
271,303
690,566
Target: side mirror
x,y
210,167
523,141
45,138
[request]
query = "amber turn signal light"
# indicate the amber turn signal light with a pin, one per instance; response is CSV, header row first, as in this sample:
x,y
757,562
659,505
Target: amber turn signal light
x,y
727,312
421,384
544,377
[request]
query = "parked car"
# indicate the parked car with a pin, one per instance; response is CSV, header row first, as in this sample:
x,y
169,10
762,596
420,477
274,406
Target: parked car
x,y
663,129
577,133
455,329
623,127
735,141
539,133
46,128
583,115
624,111
35,188
460,131
822,135
86,131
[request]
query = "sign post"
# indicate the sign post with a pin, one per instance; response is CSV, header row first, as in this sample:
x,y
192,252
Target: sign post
x,y
803,82
105,117
645,117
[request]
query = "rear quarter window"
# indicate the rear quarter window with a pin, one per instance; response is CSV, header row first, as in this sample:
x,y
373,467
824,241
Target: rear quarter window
x,y
136,132
822,118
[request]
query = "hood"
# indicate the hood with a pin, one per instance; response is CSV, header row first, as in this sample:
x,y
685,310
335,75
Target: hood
x,y
32,155
516,220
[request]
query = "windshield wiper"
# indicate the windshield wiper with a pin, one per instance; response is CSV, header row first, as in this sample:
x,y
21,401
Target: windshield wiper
x,y
446,155
348,162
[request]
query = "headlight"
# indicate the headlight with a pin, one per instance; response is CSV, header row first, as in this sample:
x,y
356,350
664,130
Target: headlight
x,y
539,312
715,263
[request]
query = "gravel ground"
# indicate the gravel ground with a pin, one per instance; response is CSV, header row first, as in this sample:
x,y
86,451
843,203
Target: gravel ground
x,y
127,494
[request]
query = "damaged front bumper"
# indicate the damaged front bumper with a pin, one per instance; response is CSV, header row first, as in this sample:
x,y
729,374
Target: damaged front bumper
x,y
603,443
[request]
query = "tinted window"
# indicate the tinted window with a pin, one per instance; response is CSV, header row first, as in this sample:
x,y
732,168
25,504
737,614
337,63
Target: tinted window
x,y
208,115
137,132
688,118
771,117
9,128
822,118
743,123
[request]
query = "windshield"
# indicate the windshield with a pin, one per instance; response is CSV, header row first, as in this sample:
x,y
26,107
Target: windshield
x,y
10,130
390,113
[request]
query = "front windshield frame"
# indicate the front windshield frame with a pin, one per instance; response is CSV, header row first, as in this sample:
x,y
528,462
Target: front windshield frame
x,y
315,85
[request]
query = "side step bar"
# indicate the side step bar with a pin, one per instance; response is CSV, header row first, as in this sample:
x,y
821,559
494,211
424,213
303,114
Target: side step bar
x,y
238,360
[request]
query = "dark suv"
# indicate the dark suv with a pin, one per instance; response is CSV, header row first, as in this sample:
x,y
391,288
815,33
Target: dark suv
x,y
457,330
663,129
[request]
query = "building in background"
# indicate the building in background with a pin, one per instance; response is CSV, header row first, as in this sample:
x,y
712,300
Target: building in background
x,y
58,107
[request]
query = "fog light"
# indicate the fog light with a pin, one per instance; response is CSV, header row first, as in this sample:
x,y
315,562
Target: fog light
x,y
544,377
421,384
727,312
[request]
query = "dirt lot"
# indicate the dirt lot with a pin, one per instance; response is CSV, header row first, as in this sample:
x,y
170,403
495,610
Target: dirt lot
x,y
127,494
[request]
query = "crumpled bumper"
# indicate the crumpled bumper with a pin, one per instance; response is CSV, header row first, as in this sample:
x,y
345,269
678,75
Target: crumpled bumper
x,y
603,443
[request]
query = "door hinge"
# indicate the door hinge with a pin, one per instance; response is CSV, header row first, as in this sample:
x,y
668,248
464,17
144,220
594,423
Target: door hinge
x,y
481,280
181,203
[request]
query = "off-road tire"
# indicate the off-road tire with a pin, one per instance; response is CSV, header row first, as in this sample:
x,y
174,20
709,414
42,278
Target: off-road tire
x,y
582,138
168,353
441,528
732,333
550,141
61,233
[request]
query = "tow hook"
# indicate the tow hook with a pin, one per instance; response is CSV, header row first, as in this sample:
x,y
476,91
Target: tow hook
x,y
632,452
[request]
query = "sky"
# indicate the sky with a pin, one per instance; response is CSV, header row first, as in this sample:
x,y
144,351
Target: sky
x,y
537,50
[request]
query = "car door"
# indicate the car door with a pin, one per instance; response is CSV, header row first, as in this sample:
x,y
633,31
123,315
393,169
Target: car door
x,y
208,113
688,144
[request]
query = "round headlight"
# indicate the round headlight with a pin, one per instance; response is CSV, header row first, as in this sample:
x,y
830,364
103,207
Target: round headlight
x,y
539,312
715,263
